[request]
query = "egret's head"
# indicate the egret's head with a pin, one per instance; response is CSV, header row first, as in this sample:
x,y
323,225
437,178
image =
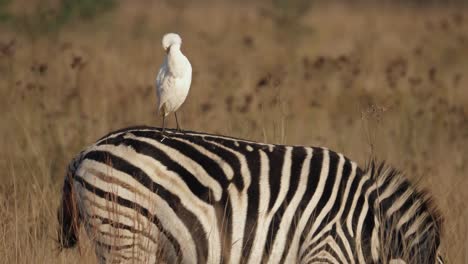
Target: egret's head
x,y
171,40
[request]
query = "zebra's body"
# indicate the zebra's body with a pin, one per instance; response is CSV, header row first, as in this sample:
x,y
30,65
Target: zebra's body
x,y
202,198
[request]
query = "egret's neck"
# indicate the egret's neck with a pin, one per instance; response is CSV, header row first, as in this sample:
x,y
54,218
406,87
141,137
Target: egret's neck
x,y
174,54
176,60
174,50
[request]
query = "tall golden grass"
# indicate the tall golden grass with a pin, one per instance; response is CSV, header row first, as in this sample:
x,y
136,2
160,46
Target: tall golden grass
x,y
391,83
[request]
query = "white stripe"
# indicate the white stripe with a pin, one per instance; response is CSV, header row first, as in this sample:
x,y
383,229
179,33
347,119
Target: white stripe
x,y
391,188
421,234
322,255
375,238
416,226
330,241
306,215
408,214
285,178
360,223
187,163
239,202
351,212
263,218
225,166
344,200
287,219
344,239
398,202
330,203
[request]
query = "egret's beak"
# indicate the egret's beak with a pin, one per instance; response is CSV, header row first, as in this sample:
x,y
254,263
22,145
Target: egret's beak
x,y
168,49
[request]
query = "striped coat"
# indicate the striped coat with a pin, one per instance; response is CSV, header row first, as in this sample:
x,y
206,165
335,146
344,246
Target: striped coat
x,y
200,198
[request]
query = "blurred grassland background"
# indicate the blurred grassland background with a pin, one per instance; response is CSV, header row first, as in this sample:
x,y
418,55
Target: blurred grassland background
x,y
387,78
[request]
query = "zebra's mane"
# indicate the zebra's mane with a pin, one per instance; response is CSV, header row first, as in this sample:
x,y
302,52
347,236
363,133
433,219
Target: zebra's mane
x,y
384,173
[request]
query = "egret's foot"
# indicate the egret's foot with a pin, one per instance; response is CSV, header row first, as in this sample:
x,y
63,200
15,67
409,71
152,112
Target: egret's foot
x,y
163,138
163,135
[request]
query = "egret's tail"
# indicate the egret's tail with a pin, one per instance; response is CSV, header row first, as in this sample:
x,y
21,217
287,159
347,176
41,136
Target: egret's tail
x,y
163,111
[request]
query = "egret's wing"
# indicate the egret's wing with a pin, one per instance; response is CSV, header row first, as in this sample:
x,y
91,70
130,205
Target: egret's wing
x,y
173,83
165,82
162,72
160,78
164,91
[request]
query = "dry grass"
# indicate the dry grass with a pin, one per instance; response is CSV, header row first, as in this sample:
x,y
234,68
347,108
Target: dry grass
x,y
393,83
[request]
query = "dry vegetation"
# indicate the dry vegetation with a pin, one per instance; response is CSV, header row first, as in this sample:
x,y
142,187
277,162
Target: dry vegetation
x,y
392,82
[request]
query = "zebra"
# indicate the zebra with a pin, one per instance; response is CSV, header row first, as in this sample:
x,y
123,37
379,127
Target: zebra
x,y
205,198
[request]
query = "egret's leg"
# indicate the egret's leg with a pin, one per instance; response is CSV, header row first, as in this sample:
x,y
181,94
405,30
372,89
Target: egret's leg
x,y
163,127
163,135
163,130
177,122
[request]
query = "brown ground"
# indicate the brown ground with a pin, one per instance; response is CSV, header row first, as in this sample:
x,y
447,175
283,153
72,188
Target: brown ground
x,y
392,82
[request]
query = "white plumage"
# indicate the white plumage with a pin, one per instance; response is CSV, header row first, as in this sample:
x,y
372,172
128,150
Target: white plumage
x,y
174,77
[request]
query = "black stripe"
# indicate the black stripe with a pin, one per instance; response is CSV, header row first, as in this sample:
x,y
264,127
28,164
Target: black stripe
x,y
188,218
341,199
298,155
227,156
428,243
276,163
320,260
253,202
418,212
208,164
153,152
325,247
118,225
108,247
385,184
326,195
224,220
366,235
341,244
327,191
389,201
357,211
313,180
360,207
349,202
346,173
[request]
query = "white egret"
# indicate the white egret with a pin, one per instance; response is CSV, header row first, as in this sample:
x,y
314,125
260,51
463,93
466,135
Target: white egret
x,y
174,78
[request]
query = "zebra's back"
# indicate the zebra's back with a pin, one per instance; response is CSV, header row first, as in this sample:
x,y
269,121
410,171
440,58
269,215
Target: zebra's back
x,y
200,198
